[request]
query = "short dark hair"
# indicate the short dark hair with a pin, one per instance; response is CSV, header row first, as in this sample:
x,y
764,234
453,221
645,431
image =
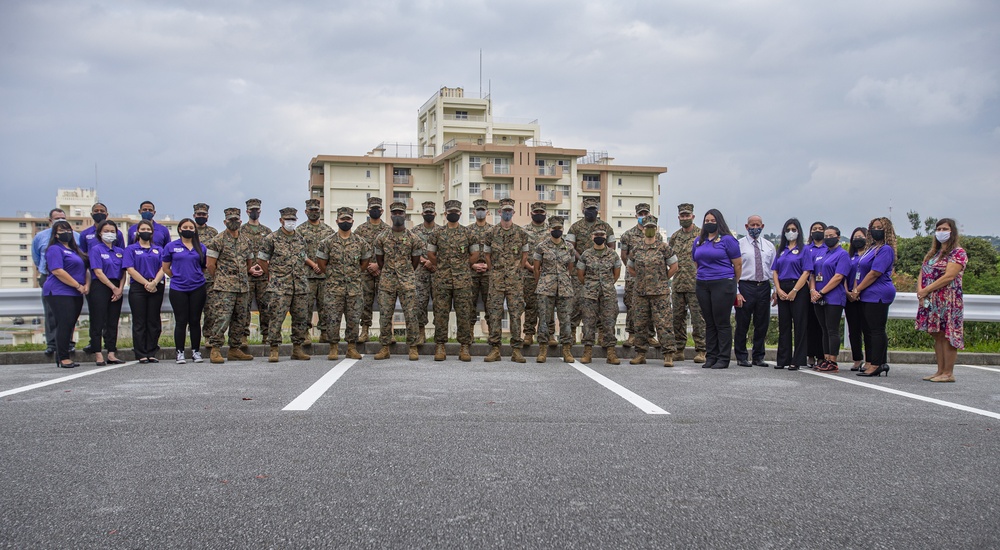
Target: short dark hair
x,y
55,210
144,203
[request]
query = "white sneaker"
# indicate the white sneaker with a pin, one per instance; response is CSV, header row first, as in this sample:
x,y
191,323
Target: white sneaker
x,y
196,355
180,358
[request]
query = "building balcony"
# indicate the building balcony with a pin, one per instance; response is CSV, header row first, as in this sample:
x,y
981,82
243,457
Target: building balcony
x,y
590,186
550,197
408,201
549,172
316,181
494,195
497,171
405,180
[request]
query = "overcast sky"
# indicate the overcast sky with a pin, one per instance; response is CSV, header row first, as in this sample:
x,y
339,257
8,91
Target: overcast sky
x,y
821,110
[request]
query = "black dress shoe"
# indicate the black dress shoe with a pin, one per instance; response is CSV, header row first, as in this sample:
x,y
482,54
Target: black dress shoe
x,y
779,366
708,364
722,365
743,363
50,352
72,365
760,363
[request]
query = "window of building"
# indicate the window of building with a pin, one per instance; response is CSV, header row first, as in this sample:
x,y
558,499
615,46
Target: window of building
x,y
461,115
475,163
619,181
368,174
620,203
501,162
24,280
401,195
23,269
502,191
475,188
24,258
401,176
23,237
592,182
22,247
563,213
620,224
22,224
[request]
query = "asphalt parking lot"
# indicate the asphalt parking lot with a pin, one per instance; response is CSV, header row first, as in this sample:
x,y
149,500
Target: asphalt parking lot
x,y
449,454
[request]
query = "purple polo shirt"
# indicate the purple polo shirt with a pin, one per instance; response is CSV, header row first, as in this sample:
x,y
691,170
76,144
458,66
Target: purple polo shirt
x,y
789,264
826,265
161,235
186,265
108,260
815,250
880,259
88,238
58,256
853,273
715,259
147,261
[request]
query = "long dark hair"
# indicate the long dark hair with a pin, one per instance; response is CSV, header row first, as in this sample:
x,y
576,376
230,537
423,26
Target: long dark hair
x,y
195,242
100,227
852,250
943,249
723,228
54,238
783,246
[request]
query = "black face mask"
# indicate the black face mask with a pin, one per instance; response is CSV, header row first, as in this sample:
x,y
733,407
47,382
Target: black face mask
x,y
345,226
201,220
831,242
253,214
878,234
600,240
538,218
429,218
399,221
145,235
187,233
556,233
817,236
375,213
710,227
65,237
98,218
859,243
590,215
453,217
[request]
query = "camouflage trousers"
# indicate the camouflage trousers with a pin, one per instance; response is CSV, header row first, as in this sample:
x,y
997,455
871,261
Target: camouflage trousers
x,y
369,292
627,299
227,311
422,299
386,310
684,303
444,300
206,314
577,306
295,304
258,290
531,306
338,304
480,291
653,316
316,304
600,313
494,314
561,307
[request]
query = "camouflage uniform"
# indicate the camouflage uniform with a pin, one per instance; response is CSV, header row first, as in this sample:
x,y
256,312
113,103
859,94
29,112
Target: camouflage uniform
x,y
341,290
255,233
205,236
555,286
581,237
600,298
423,275
453,279
369,284
536,234
651,301
313,234
625,244
505,247
684,299
288,286
230,292
480,281
397,250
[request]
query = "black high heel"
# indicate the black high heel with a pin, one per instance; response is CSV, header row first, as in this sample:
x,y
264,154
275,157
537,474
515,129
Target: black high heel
x,y
877,372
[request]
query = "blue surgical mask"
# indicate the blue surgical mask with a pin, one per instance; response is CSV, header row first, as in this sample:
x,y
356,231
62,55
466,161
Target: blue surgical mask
x,y
146,215
506,215
640,219
754,232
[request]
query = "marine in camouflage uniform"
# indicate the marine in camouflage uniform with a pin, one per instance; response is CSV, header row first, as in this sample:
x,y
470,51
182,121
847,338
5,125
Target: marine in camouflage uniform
x,y
599,268
398,253
684,299
284,254
452,249
652,265
205,235
506,251
230,258
480,279
424,275
625,244
369,277
343,259
553,261
581,237
255,232
536,232
314,231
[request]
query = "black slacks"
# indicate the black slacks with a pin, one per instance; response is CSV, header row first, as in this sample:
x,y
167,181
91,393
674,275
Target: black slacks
x,y
852,311
188,307
716,300
814,330
874,318
49,315
104,316
66,310
792,322
829,322
146,325
756,309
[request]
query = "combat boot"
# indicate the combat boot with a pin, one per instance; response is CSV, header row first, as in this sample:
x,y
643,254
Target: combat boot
x,y
679,355
463,353
298,354
553,341
494,355
699,357
529,339
273,356
612,356
334,352
352,351
588,355
630,342
543,352
414,354
568,353
383,353
439,353
216,357
363,334
235,354
639,359
515,356
668,360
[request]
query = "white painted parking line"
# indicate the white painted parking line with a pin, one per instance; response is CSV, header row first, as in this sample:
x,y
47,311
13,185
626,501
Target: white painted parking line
x,y
623,392
308,397
907,394
978,367
64,379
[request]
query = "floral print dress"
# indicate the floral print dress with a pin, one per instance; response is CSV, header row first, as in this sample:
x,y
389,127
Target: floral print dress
x,y
946,311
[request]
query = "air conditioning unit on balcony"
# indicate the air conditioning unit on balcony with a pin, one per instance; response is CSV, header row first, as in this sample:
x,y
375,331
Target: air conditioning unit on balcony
x,y
479,141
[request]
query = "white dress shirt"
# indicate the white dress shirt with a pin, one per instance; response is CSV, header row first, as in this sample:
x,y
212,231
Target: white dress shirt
x,y
767,254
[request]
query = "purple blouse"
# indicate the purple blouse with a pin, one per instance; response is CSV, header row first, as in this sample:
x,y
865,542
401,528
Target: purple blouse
x,y
186,265
715,258
827,264
108,260
789,264
880,259
147,261
58,256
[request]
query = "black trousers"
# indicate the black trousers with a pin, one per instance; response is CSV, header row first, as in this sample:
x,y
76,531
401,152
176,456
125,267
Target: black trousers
x,y
50,317
188,307
854,320
829,322
66,310
874,318
756,309
814,330
104,316
716,300
146,325
792,322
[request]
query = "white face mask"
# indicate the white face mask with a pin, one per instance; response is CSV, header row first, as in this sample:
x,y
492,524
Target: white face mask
x,y
791,235
289,225
942,236
108,237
